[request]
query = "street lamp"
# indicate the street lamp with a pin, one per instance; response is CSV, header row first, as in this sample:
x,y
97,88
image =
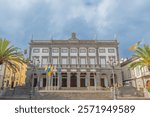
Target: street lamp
x,y
34,64
112,64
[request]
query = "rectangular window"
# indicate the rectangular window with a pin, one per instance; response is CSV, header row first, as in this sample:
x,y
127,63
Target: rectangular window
x,y
111,50
92,61
55,50
91,50
82,61
73,50
64,50
101,50
146,69
44,50
64,60
44,61
36,50
35,60
137,70
55,61
82,50
103,61
73,61
112,58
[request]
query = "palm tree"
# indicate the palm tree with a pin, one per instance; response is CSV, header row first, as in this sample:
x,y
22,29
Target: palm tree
x,y
143,54
10,55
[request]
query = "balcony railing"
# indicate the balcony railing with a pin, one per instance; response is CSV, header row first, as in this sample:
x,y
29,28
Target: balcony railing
x,y
78,66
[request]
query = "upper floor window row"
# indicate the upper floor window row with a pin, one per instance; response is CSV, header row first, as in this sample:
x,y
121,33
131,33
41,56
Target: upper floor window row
x,y
64,50
111,50
55,50
91,50
73,50
36,50
102,50
82,50
44,50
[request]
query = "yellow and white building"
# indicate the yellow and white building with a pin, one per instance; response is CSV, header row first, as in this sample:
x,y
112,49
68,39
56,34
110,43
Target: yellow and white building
x,y
137,77
10,78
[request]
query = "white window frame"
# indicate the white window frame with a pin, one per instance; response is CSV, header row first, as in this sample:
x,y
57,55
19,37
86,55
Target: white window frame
x,y
102,61
92,50
36,50
102,50
44,63
81,61
64,61
92,61
112,50
74,61
55,61
44,50
55,50
73,50
64,50
82,50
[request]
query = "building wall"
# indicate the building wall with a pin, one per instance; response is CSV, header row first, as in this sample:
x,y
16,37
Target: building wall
x,y
13,78
137,76
78,56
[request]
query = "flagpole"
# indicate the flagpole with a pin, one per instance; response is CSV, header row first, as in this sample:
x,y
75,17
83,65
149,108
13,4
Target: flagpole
x,y
58,81
55,82
49,85
58,78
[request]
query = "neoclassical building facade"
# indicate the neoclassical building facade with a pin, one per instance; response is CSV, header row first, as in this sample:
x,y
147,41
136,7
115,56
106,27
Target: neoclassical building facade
x,y
84,64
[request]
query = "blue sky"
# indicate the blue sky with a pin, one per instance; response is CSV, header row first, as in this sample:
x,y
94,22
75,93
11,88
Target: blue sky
x,y
129,20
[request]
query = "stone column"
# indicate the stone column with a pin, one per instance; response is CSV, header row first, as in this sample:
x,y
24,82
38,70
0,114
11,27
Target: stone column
x,y
38,80
41,82
78,79
98,78
108,78
88,79
68,79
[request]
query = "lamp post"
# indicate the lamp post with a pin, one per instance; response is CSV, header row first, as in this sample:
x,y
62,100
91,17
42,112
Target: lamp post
x,y
112,64
34,64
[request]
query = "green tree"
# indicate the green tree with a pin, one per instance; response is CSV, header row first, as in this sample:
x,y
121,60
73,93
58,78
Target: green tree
x,y
143,54
10,55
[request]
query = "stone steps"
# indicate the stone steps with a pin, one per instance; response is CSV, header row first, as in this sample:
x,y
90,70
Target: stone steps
x,y
24,92
73,95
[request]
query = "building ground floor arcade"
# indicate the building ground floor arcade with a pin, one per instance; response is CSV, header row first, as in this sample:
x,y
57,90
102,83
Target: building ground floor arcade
x,y
75,79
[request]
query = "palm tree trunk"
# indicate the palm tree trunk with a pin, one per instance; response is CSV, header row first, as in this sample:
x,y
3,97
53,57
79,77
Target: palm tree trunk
x,y
4,74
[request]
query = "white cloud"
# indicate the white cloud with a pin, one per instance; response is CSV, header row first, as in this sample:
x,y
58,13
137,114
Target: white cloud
x,y
54,17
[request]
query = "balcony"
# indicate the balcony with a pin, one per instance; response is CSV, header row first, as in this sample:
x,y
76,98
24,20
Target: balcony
x,y
78,66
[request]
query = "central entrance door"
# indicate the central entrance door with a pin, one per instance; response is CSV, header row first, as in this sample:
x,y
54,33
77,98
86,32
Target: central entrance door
x,y
73,80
